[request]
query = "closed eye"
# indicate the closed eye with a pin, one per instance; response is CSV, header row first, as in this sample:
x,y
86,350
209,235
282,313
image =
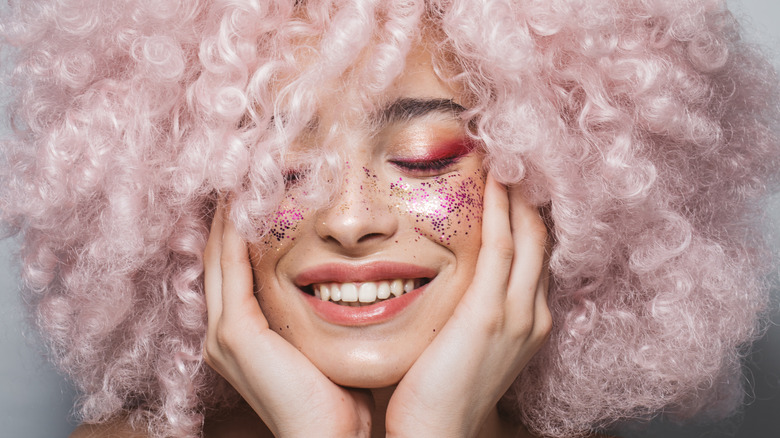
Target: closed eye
x,y
438,160
292,177
423,168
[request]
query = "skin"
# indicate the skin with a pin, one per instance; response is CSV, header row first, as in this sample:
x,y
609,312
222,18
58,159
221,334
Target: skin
x,y
416,378
386,211
479,351
472,331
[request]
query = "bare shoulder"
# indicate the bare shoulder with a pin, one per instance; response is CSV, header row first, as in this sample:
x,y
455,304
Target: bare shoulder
x,y
114,429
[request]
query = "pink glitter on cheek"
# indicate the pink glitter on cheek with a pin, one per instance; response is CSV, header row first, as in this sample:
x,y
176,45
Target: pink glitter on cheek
x,y
283,225
445,207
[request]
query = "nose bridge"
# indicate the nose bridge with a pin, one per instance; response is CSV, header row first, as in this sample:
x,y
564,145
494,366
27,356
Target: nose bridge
x,y
359,213
360,185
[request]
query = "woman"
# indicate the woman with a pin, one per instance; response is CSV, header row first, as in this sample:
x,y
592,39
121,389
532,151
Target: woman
x,y
348,145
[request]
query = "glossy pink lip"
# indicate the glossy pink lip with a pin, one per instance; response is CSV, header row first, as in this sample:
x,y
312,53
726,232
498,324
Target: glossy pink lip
x,y
374,271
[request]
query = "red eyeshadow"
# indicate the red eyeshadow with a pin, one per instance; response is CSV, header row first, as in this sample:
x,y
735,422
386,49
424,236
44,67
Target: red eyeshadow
x,y
449,149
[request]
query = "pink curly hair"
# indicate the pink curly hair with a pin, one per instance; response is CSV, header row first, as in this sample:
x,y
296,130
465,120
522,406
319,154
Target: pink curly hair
x,y
644,128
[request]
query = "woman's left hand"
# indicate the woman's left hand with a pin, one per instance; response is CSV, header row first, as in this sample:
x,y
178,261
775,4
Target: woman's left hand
x,y
500,323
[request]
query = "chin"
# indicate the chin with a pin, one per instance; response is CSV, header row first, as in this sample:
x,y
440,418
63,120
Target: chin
x,y
359,371
367,380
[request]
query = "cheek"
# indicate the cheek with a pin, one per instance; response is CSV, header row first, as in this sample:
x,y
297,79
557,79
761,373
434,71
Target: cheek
x,y
446,209
284,225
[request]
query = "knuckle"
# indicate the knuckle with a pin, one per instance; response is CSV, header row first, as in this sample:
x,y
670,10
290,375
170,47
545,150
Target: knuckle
x,y
211,353
493,322
503,247
495,325
222,340
229,260
537,231
523,327
543,325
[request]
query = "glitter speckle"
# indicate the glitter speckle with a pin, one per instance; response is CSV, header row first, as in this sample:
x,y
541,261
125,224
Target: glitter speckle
x,y
442,208
285,222
443,203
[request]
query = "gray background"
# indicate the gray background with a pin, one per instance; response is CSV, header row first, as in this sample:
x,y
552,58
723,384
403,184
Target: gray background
x,y
36,403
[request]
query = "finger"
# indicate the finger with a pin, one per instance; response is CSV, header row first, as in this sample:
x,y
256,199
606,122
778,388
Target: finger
x,y
529,235
495,256
212,269
542,316
237,284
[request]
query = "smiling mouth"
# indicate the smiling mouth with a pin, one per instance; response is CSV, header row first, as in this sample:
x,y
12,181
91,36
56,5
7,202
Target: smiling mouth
x,y
364,293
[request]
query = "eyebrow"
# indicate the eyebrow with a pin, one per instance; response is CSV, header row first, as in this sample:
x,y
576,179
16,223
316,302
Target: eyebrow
x,y
406,109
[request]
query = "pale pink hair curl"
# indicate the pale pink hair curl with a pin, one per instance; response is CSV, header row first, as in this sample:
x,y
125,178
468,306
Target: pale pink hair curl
x,y
645,128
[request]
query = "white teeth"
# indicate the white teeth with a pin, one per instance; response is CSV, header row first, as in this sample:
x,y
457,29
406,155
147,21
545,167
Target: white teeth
x,y
367,293
324,294
335,292
354,295
383,290
397,287
349,292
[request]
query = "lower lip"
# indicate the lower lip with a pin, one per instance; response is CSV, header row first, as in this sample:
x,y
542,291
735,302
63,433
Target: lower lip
x,y
364,315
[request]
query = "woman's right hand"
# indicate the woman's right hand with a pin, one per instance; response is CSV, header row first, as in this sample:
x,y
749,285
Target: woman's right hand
x,y
286,390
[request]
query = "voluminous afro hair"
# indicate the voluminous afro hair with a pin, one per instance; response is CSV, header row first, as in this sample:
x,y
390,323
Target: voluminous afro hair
x,y
643,127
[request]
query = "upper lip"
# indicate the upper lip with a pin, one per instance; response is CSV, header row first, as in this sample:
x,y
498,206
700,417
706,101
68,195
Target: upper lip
x,y
360,273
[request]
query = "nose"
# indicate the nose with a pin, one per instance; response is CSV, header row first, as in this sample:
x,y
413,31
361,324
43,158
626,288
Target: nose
x,y
360,217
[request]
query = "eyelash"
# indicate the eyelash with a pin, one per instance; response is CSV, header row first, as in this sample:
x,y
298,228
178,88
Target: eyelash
x,y
421,168
292,177
427,167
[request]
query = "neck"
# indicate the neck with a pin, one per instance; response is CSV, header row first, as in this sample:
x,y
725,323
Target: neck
x,y
381,399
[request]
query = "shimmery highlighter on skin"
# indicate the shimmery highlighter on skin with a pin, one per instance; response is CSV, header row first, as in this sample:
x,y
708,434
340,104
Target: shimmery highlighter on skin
x,y
441,207
444,207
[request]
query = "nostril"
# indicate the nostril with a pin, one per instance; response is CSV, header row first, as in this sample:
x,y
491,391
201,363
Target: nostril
x,y
369,237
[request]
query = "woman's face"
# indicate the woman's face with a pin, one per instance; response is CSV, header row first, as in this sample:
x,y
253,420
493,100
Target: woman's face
x,y
362,286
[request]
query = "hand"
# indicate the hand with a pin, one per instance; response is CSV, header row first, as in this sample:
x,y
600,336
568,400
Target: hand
x,y
286,390
500,323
